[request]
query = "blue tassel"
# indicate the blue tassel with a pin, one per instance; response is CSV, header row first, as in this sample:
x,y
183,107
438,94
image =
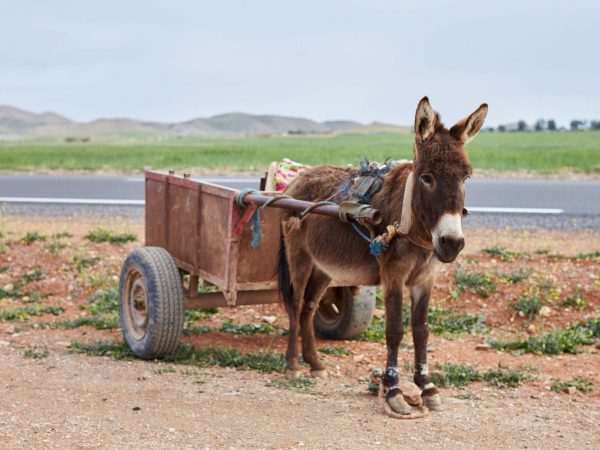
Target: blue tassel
x,y
256,231
376,248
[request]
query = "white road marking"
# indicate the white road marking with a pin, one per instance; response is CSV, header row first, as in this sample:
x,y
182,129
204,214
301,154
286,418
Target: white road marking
x,y
114,201
515,210
80,201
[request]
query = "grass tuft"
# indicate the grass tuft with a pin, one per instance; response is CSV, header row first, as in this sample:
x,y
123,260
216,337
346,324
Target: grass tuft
x,y
579,383
477,282
29,353
31,237
335,351
528,306
23,314
557,341
261,361
101,235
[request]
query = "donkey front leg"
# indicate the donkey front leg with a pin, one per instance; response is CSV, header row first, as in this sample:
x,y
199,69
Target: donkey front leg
x,y
394,331
420,295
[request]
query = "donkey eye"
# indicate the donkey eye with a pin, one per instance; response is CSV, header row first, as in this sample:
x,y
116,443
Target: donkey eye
x,y
427,179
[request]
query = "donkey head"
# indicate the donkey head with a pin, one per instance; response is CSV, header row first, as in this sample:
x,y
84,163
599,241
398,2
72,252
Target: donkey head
x,y
441,168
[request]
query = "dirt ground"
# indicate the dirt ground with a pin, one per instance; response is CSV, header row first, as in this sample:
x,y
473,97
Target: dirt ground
x,y
75,401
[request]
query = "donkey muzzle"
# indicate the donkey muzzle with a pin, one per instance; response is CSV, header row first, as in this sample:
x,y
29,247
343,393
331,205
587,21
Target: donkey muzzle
x,y
448,238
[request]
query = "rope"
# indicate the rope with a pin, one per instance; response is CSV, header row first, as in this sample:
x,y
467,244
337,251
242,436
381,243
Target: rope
x,y
315,205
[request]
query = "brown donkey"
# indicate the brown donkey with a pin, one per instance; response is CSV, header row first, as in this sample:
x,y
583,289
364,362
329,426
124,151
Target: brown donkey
x,y
318,249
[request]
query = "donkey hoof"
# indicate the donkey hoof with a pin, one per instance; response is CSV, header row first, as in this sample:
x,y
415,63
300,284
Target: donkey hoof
x,y
397,403
291,374
322,374
433,402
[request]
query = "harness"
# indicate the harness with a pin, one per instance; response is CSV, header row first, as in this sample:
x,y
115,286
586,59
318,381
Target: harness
x,y
358,190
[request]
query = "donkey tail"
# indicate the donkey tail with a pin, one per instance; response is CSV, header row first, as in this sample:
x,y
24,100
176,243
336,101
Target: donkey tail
x,y
286,290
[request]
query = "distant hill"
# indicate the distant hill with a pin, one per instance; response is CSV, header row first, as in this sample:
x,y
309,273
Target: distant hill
x,y
16,123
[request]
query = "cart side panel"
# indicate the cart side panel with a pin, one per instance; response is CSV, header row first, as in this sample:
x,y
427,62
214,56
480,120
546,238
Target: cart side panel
x,y
182,216
156,213
259,265
212,230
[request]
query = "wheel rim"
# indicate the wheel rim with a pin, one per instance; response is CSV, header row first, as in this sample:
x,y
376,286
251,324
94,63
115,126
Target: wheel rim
x,y
136,305
332,306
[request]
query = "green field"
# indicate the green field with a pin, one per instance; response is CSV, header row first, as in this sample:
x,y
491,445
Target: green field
x,y
539,152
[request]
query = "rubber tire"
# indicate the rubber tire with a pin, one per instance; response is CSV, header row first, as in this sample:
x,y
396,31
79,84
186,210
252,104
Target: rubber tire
x,y
355,314
165,302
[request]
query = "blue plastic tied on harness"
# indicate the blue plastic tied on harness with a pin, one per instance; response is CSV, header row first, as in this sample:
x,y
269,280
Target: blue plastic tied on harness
x,y
376,248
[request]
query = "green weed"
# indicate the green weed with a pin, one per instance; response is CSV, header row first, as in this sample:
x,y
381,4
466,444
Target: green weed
x,y
575,300
450,323
202,329
22,314
504,254
99,323
62,235
31,237
29,353
80,263
458,375
299,384
579,383
261,361
192,315
557,341
55,247
477,282
528,306
35,275
101,235
4,268
248,329
504,377
518,276
335,351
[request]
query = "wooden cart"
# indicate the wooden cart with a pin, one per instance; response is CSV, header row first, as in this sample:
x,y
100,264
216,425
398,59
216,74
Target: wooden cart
x,y
198,254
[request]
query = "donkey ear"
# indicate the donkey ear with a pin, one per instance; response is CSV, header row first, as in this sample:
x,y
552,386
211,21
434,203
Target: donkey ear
x,y
466,129
424,120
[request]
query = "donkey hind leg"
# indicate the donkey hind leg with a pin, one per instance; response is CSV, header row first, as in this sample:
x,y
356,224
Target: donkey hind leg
x,y
420,330
316,287
300,266
394,331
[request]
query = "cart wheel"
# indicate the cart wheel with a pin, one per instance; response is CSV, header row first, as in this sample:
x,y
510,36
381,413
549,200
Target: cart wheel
x,y
344,315
151,302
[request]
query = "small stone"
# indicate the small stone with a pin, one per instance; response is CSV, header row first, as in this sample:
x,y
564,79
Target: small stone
x,y
65,344
269,319
531,329
9,287
136,408
571,390
4,344
483,347
358,358
545,311
171,430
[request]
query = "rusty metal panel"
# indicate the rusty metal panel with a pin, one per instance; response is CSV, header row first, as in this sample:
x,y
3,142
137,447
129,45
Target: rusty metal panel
x,y
182,210
213,241
259,265
156,213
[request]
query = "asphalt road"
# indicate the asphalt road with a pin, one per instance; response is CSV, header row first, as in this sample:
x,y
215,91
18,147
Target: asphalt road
x,y
558,204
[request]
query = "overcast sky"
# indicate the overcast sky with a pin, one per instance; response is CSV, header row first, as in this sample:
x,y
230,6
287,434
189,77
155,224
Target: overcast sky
x,y
364,60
